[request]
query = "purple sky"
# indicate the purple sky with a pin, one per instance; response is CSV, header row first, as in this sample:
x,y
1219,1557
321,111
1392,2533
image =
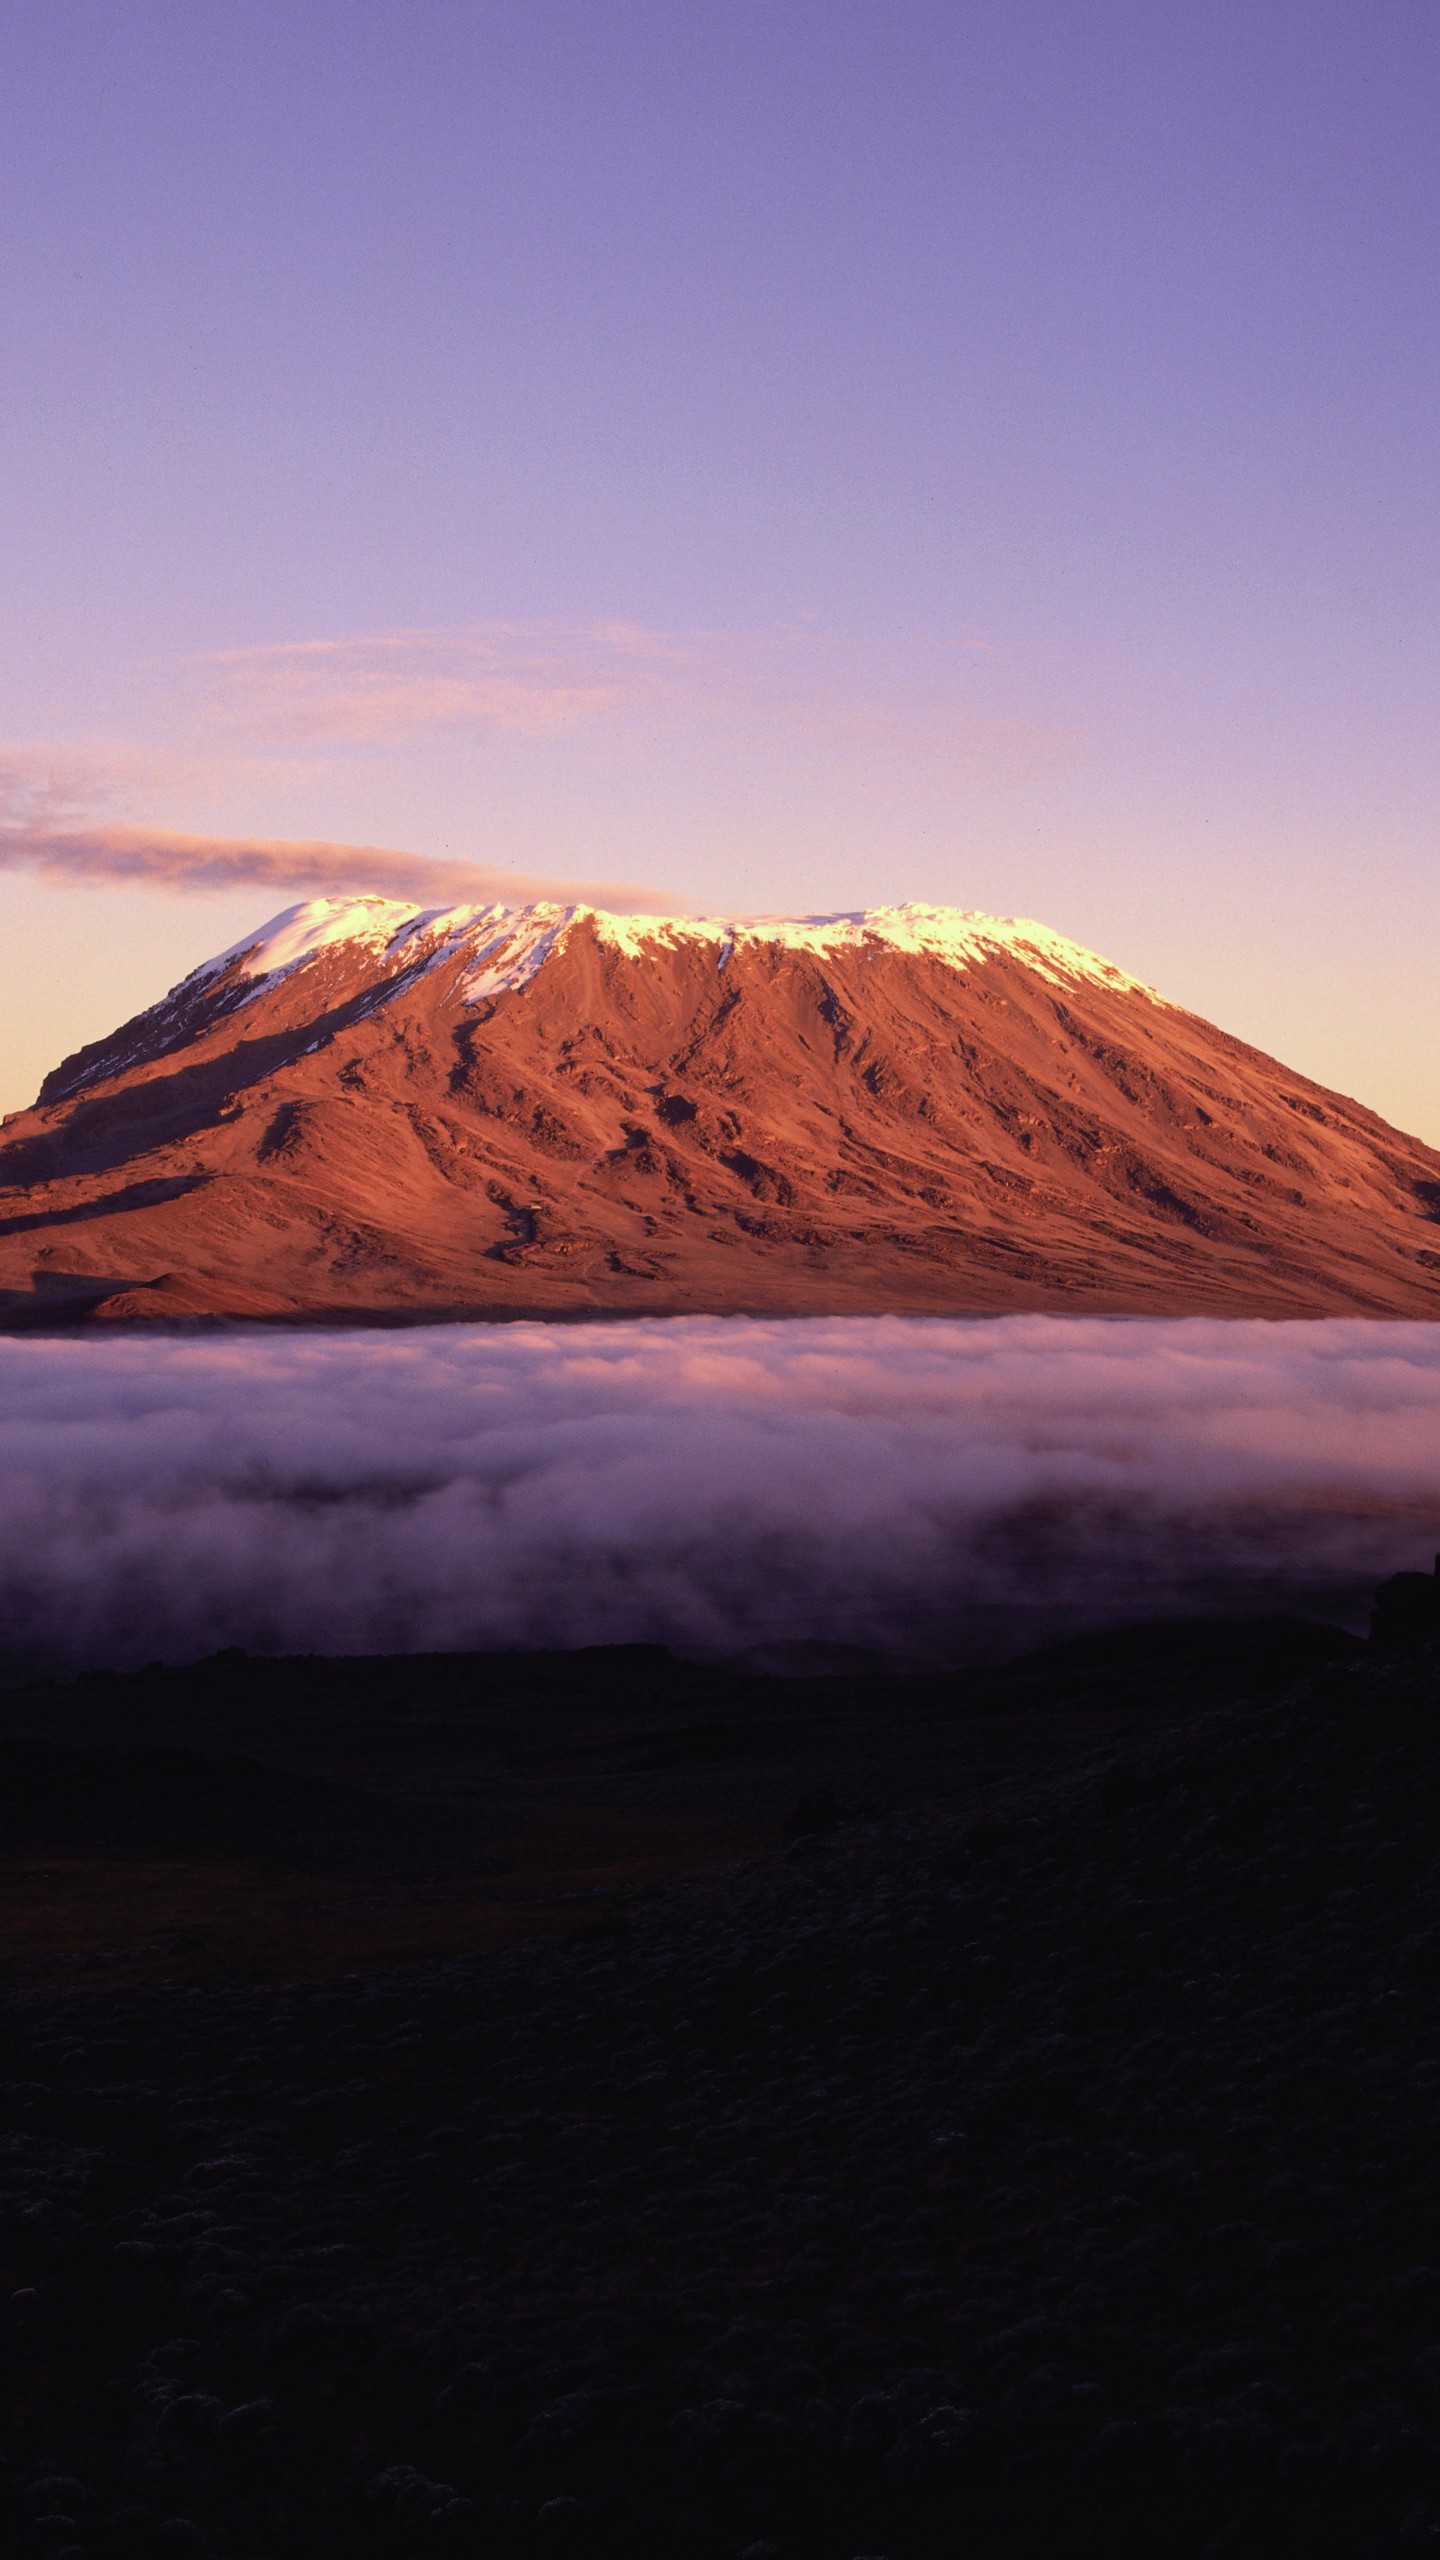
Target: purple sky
x,y
791,455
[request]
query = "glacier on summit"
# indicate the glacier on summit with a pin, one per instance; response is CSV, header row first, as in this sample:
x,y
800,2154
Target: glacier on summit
x,y
508,945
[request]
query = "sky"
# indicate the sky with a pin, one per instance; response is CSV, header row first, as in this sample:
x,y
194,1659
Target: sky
x,y
787,457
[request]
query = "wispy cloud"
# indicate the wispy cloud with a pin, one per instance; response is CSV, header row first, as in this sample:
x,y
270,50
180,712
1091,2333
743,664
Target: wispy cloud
x,y
552,680
243,716
485,680
53,823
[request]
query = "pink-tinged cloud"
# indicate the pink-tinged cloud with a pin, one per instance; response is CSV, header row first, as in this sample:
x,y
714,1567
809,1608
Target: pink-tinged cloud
x,y
45,829
489,680
492,680
150,858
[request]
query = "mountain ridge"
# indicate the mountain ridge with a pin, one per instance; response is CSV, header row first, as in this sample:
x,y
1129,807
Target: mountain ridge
x,y
373,1109
507,945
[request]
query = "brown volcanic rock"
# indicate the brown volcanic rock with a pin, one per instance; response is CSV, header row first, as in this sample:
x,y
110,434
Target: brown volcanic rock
x,y
371,1111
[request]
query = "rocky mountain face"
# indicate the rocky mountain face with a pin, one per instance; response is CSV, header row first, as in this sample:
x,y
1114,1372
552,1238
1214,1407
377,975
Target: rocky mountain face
x,y
371,1110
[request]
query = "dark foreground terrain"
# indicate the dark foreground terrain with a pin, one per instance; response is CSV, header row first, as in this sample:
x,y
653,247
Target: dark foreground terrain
x,y
599,2106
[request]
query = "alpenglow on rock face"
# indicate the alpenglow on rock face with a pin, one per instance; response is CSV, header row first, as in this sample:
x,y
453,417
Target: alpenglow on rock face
x,y
368,1109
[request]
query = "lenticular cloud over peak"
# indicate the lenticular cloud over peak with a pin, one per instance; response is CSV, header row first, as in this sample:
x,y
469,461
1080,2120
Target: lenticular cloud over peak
x,y
920,1487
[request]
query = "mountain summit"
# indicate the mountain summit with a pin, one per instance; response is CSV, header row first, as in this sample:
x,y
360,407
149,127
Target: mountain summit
x,y
368,1109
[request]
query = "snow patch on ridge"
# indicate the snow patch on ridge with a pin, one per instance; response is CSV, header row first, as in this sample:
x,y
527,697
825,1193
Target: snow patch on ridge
x,y
317,924
505,947
954,934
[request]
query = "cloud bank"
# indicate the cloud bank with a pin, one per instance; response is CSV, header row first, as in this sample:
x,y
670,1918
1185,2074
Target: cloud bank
x,y
921,1487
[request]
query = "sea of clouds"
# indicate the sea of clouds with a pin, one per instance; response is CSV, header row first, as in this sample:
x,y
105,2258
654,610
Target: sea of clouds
x,y
920,1487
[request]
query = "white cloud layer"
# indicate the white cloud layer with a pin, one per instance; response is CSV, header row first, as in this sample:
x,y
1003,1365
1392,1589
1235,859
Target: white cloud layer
x,y
919,1486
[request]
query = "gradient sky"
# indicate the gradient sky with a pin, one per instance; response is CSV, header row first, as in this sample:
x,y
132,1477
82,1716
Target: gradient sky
x,y
792,456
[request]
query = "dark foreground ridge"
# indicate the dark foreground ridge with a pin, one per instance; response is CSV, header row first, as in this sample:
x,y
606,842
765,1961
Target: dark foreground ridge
x,y
1038,2160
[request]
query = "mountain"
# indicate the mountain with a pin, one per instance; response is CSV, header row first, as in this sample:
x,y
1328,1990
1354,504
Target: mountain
x,y
368,1109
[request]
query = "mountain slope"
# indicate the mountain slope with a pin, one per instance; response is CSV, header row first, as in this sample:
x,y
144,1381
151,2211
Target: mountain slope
x,y
369,1109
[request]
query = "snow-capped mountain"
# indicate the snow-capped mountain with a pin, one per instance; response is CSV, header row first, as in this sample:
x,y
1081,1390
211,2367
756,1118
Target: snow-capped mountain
x,y
373,1109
